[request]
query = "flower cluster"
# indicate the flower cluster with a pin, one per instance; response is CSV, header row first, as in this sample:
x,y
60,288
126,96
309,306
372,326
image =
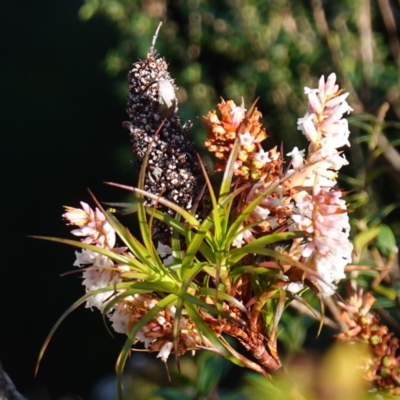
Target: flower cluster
x,y
326,130
156,335
101,272
381,367
222,135
323,213
304,200
266,199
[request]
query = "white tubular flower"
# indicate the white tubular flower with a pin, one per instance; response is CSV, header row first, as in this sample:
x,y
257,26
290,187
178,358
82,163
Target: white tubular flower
x,y
246,139
99,275
163,250
237,114
261,157
120,318
326,130
165,351
238,242
85,258
297,158
141,337
260,213
294,287
170,259
307,126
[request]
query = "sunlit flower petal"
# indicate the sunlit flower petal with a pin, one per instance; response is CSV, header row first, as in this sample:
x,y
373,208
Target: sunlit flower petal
x,y
163,250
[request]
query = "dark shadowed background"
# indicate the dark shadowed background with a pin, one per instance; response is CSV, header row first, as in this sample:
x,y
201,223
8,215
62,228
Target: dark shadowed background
x,y
60,130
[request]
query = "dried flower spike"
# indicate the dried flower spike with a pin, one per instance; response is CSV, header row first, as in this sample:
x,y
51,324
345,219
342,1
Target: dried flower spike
x,y
172,167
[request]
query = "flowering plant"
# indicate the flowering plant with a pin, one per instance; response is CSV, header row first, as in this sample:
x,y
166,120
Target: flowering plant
x,y
211,262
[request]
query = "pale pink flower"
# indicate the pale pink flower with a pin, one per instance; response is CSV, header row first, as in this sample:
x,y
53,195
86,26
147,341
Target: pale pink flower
x,y
163,250
297,158
85,257
248,236
77,216
246,139
165,351
261,157
237,114
94,227
307,126
260,213
120,318
141,337
100,274
99,278
315,103
294,287
238,242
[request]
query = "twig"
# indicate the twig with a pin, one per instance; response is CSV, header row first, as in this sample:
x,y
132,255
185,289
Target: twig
x,y
313,314
334,47
333,308
390,24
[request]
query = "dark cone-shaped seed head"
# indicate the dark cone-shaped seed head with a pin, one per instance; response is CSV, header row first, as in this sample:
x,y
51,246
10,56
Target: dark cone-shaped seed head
x,y
172,168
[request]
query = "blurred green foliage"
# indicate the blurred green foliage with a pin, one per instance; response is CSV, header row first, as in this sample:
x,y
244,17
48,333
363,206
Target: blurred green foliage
x,y
271,50
267,49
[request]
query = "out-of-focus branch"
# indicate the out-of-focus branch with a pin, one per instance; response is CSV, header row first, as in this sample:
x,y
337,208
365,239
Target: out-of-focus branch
x,y
365,29
391,157
334,47
393,99
315,315
335,311
7,388
390,24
